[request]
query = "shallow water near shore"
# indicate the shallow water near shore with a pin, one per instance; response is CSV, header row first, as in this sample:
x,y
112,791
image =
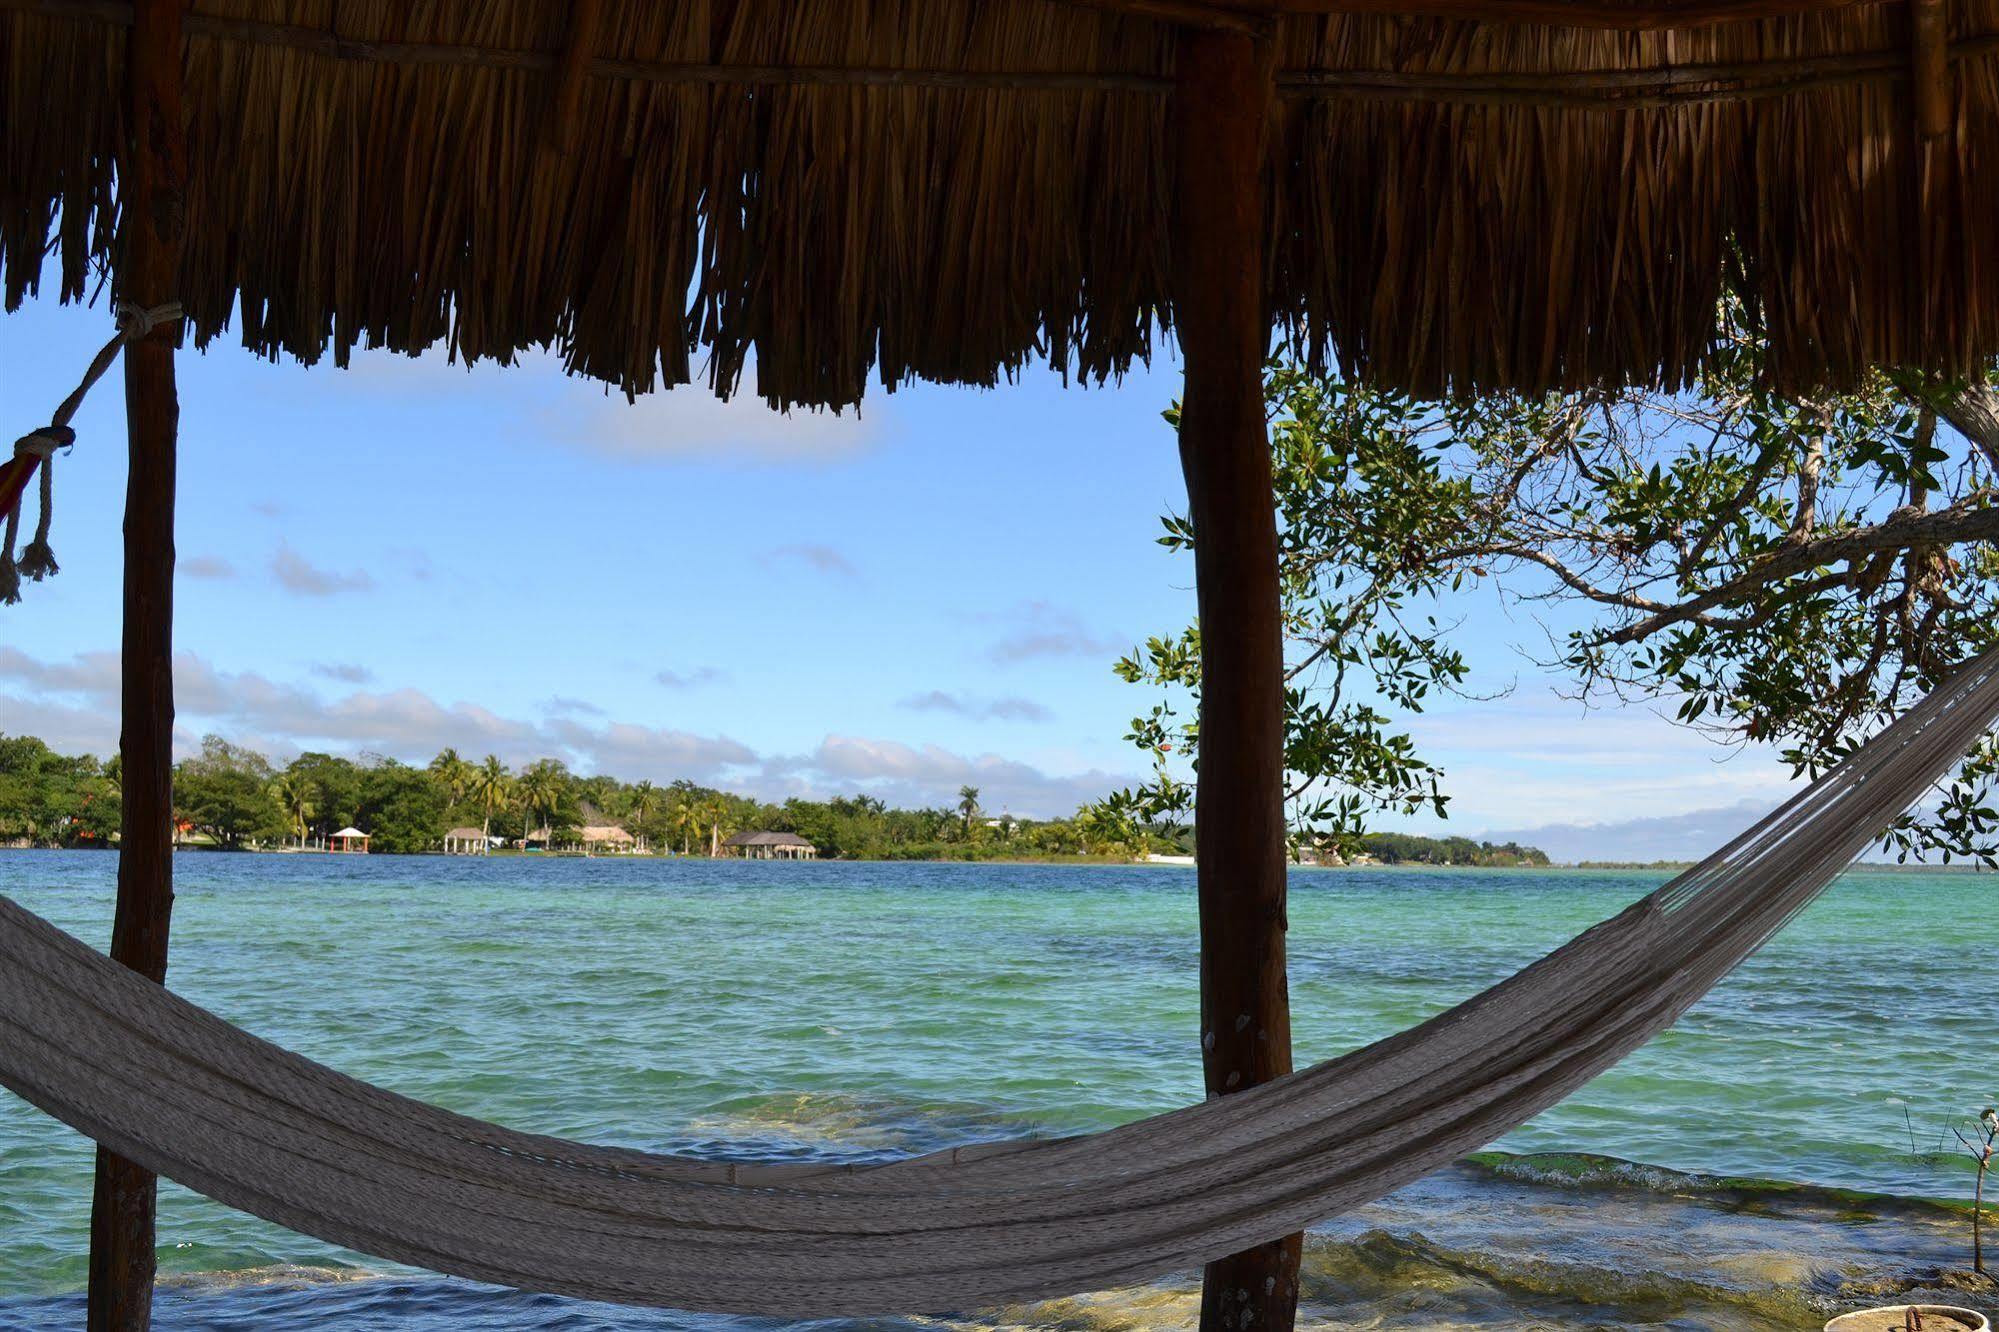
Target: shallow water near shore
x,y
844,1011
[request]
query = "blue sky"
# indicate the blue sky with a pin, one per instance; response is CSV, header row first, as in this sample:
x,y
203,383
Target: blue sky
x,y
409,554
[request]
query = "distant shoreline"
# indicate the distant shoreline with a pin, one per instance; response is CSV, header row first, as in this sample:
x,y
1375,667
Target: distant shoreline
x,y
1156,862
318,853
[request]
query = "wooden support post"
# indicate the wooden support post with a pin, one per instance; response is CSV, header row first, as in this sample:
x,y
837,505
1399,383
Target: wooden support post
x,y
1929,68
153,183
1222,108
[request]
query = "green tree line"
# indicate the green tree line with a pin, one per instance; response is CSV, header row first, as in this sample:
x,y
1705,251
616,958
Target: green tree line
x,y
1407,849
232,798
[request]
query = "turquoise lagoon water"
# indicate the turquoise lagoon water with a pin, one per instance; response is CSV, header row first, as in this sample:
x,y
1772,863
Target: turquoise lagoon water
x,y
824,1011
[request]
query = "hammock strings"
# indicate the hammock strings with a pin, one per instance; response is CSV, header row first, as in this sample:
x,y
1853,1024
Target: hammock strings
x,y
259,1128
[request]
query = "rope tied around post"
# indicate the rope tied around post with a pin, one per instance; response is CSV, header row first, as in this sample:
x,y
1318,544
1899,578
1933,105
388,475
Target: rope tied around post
x,y
38,448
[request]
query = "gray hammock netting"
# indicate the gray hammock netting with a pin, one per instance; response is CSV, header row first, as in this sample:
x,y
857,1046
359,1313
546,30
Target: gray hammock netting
x,y
173,1087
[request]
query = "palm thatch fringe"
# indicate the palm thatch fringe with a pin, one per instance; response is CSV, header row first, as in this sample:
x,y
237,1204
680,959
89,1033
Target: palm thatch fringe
x,y
843,191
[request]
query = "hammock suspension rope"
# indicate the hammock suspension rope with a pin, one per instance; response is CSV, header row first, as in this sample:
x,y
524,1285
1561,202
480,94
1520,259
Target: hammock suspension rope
x,y
36,451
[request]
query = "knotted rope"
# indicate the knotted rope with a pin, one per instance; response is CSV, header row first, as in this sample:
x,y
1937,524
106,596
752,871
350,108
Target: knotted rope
x,y
38,448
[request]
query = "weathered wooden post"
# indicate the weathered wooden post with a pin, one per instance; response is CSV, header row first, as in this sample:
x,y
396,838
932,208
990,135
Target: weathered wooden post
x,y
153,182
1222,114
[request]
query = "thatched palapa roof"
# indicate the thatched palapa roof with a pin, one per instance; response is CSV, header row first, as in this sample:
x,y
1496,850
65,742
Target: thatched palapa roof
x,y
766,839
840,191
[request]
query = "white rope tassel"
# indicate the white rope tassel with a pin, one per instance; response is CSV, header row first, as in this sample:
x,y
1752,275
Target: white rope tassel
x,y
38,560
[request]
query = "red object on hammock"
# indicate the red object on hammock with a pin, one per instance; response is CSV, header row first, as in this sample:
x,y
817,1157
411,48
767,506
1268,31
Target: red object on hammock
x,y
15,474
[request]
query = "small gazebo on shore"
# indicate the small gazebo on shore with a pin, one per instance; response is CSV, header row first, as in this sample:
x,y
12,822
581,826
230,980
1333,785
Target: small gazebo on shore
x,y
1446,197
348,841
770,846
467,842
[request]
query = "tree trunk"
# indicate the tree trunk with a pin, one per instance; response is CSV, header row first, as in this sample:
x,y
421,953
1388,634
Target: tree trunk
x,y
1221,114
152,186
1975,412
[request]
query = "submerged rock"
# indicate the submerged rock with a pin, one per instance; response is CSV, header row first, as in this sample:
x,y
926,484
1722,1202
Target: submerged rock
x,y
1579,1243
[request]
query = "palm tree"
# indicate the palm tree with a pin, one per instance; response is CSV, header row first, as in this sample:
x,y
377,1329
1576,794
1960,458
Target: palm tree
x,y
531,790
491,787
541,791
716,813
294,796
968,805
452,773
686,819
644,796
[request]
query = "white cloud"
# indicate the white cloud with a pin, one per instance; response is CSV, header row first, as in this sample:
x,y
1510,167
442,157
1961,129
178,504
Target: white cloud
x,y
1536,759
680,425
685,424
406,723
1530,762
92,674
78,700
64,727
296,575
206,567
632,751
819,558
1040,629
1688,836
700,675
1011,708
73,705
381,371
691,423
930,775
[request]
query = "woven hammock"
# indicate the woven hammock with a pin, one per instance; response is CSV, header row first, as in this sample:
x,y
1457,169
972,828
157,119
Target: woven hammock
x,y
178,1090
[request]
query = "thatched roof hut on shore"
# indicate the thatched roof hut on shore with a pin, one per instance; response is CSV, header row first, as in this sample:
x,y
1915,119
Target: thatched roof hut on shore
x,y
770,846
1447,196
467,842
602,837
